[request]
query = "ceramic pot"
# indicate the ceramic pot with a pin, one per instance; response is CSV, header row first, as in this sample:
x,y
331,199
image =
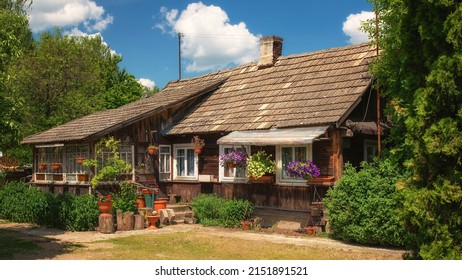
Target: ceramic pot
x,y
105,207
152,221
160,204
140,201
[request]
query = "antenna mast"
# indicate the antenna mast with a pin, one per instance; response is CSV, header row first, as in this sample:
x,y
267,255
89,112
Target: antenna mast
x,y
179,55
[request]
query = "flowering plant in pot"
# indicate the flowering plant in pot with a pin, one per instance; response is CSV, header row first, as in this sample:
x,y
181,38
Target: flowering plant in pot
x,y
233,158
152,150
105,203
259,164
198,144
302,169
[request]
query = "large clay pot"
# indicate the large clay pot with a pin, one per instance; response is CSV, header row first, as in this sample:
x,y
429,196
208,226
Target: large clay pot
x,y
152,221
160,204
105,207
141,202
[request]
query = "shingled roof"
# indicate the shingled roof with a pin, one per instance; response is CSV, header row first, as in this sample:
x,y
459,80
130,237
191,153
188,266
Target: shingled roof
x,y
308,89
109,120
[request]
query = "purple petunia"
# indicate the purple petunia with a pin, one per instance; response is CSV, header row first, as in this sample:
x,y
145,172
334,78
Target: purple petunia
x,y
237,157
302,169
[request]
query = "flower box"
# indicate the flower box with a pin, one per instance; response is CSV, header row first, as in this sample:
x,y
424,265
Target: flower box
x,y
262,179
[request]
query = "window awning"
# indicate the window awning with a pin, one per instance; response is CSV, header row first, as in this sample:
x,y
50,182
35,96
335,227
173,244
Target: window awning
x,y
283,136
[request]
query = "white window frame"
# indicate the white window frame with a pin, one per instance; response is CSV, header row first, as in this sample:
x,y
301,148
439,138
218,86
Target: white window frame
x,y
367,144
164,162
221,173
177,147
290,181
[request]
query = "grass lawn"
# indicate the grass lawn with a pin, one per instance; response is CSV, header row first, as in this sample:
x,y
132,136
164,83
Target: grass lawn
x,y
194,245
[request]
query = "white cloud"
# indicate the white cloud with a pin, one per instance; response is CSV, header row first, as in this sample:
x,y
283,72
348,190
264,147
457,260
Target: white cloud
x,y
68,13
210,41
353,23
147,83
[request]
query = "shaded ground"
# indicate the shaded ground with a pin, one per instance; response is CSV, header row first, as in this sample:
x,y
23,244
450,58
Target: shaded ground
x,y
58,244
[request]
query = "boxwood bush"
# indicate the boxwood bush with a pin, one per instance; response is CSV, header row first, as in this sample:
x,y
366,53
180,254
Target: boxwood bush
x,y
363,205
212,210
24,204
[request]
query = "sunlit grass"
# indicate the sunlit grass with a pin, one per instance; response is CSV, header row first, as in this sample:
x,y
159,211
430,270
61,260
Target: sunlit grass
x,y
202,246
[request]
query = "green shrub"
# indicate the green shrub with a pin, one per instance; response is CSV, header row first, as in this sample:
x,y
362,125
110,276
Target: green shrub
x,y
2,177
126,199
11,201
212,210
363,205
234,211
84,213
19,203
207,209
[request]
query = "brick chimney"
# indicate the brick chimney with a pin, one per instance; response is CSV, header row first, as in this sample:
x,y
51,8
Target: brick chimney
x,y
270,51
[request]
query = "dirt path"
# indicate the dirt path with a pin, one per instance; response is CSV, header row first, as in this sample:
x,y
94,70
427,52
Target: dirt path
x,y
87,238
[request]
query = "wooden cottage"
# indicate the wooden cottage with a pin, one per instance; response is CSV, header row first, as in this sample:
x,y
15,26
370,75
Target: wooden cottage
x,y
316,106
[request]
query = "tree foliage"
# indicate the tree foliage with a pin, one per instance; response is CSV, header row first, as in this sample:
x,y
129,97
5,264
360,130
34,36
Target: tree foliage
x,y
55,79
420,72
15,40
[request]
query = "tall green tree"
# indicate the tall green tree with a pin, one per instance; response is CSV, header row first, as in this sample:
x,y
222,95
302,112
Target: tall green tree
x,y
420,73
66,77
15,40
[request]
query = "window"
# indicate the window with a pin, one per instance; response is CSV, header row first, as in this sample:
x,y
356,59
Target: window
x,y
370,150
236,174
185,161
287,154
68,170
165,163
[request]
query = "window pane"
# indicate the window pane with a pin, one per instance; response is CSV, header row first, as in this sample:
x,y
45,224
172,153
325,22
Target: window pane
x,y
180,162
300,154
190,162
286,157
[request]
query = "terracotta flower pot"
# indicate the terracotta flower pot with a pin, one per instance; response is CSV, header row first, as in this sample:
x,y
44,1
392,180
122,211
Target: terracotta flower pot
x,y
310,230
198,150
246,225
160,204
140,201
56,166
231,165
42,166
105,207
152,151
152,221
79,160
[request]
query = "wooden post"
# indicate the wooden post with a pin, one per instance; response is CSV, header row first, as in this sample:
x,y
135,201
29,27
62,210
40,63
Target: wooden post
x,y
337,154
106,223
139,222
125,221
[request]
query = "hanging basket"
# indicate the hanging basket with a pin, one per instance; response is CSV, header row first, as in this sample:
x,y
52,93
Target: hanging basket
x,y
56,166
42,166
79,160
198,150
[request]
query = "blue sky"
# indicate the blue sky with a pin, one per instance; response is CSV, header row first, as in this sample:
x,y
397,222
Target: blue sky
x,y
217,34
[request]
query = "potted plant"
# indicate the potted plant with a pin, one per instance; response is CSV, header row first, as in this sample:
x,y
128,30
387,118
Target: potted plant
x,y
153,218
152,150
233,158
56,165
105,204
302,169
198,144
259,164
140,198
79,160
42,165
